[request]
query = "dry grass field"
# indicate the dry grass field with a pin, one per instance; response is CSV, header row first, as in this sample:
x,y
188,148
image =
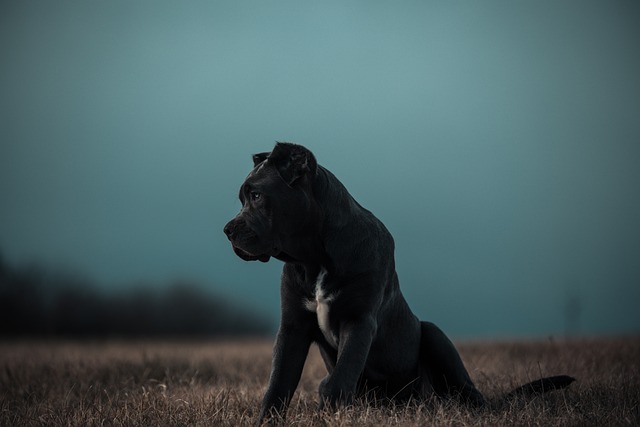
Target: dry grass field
x,y
221,383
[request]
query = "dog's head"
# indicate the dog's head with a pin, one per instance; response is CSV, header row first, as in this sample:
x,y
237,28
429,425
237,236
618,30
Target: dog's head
x,y
276,202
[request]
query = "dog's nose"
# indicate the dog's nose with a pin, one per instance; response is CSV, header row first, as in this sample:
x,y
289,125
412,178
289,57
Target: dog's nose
x,y
228,230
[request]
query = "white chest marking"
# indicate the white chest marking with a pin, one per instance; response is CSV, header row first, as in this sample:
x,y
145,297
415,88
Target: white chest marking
x,y
320,306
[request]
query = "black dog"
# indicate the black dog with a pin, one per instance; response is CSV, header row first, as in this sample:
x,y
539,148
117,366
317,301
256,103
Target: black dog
x,y
340,290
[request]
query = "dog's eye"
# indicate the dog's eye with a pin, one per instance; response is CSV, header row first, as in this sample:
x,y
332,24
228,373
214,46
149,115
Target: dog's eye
x,y
255,196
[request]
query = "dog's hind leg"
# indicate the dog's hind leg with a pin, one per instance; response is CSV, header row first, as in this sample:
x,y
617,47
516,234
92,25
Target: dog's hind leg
x,y
445,369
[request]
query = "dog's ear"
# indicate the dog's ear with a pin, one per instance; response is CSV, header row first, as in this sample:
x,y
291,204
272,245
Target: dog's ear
x,y
293,162
259,158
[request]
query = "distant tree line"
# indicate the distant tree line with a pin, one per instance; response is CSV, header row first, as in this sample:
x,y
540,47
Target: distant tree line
x,y
38,303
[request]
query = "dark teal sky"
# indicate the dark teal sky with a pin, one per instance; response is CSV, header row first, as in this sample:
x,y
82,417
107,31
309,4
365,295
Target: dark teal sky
x,y
499,141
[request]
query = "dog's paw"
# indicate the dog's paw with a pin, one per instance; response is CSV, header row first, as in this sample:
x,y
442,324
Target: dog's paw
x,y
270,418
333,395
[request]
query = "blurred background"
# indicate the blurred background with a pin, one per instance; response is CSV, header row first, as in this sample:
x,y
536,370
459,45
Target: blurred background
x,y
498,141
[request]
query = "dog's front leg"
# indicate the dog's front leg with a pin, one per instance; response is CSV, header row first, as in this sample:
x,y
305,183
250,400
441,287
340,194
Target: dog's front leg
x,y
353,350
289,354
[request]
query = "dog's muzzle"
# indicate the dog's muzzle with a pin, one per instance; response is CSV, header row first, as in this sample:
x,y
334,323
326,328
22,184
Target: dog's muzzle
x,y
237,230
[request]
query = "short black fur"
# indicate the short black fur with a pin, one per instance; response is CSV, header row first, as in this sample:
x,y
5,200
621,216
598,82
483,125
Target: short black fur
x,y
340,290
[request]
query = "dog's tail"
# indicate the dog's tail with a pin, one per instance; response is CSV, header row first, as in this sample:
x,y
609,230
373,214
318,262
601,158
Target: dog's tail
x,y
541,386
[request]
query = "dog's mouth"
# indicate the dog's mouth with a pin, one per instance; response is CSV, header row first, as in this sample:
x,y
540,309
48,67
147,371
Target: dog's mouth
x,y
249,256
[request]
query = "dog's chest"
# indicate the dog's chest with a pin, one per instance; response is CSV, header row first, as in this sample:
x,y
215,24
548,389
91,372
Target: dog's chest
x,y
320,305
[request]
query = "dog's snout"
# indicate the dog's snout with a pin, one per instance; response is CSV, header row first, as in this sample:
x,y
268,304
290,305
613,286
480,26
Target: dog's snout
x,y
229,230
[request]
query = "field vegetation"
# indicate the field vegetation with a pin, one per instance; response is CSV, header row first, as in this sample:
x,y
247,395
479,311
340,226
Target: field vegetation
x,y
221,384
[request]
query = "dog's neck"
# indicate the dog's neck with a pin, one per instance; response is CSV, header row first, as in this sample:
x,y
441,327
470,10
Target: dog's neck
x,y
340,215
337,205
337,210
